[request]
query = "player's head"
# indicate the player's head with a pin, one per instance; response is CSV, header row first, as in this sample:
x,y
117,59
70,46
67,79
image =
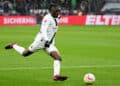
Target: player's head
x,y
54,10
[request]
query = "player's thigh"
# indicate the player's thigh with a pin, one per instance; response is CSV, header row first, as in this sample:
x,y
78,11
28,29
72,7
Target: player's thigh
x,y
37,44
52,48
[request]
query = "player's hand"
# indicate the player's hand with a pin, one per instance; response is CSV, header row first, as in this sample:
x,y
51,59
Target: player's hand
x,y
47,44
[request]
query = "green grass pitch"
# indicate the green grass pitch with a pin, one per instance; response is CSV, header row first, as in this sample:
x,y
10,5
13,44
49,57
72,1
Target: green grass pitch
x,y
84,49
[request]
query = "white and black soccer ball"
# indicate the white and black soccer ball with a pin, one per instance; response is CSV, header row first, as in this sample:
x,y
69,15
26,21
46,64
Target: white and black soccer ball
x,y
89,78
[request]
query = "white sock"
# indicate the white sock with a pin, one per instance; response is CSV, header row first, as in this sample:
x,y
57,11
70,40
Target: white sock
x,y
56,67
18,48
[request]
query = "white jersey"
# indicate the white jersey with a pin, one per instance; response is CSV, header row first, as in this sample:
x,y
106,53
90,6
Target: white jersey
x,y
48,27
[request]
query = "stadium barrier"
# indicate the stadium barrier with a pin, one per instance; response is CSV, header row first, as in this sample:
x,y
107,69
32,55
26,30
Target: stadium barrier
x,y
18,20
91,20
65,20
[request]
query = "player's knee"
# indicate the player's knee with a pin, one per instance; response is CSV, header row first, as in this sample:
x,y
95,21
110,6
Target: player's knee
x,y
26,53
59,58
55,55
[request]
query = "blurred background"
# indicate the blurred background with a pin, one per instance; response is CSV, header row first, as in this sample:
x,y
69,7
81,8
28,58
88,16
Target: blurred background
x,y
68,7
39,8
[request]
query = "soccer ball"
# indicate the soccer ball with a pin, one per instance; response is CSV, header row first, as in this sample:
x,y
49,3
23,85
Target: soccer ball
x,y
89,78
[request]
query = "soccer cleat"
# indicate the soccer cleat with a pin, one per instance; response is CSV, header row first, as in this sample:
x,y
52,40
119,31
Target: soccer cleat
x,y
10,46
60,78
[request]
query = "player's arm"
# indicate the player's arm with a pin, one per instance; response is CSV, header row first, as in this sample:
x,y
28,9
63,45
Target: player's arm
x,y
44,26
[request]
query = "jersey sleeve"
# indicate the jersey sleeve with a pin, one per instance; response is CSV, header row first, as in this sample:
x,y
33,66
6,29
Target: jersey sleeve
x,y
44,26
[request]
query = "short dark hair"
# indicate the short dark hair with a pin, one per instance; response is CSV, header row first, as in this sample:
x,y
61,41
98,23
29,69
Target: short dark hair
x,y
52,5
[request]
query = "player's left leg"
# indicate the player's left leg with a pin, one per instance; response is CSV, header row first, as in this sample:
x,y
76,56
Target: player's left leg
x,y
53,52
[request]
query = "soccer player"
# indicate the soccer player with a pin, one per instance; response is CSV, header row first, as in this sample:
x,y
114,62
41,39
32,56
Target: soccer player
x,y
45,40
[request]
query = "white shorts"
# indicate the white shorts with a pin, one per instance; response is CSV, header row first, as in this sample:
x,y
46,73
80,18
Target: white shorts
x,y
39,44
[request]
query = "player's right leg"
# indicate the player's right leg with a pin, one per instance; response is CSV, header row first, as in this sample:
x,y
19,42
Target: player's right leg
x,y
19,49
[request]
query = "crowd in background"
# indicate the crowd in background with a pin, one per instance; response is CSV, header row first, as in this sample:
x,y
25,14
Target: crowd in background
x,y
39,7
